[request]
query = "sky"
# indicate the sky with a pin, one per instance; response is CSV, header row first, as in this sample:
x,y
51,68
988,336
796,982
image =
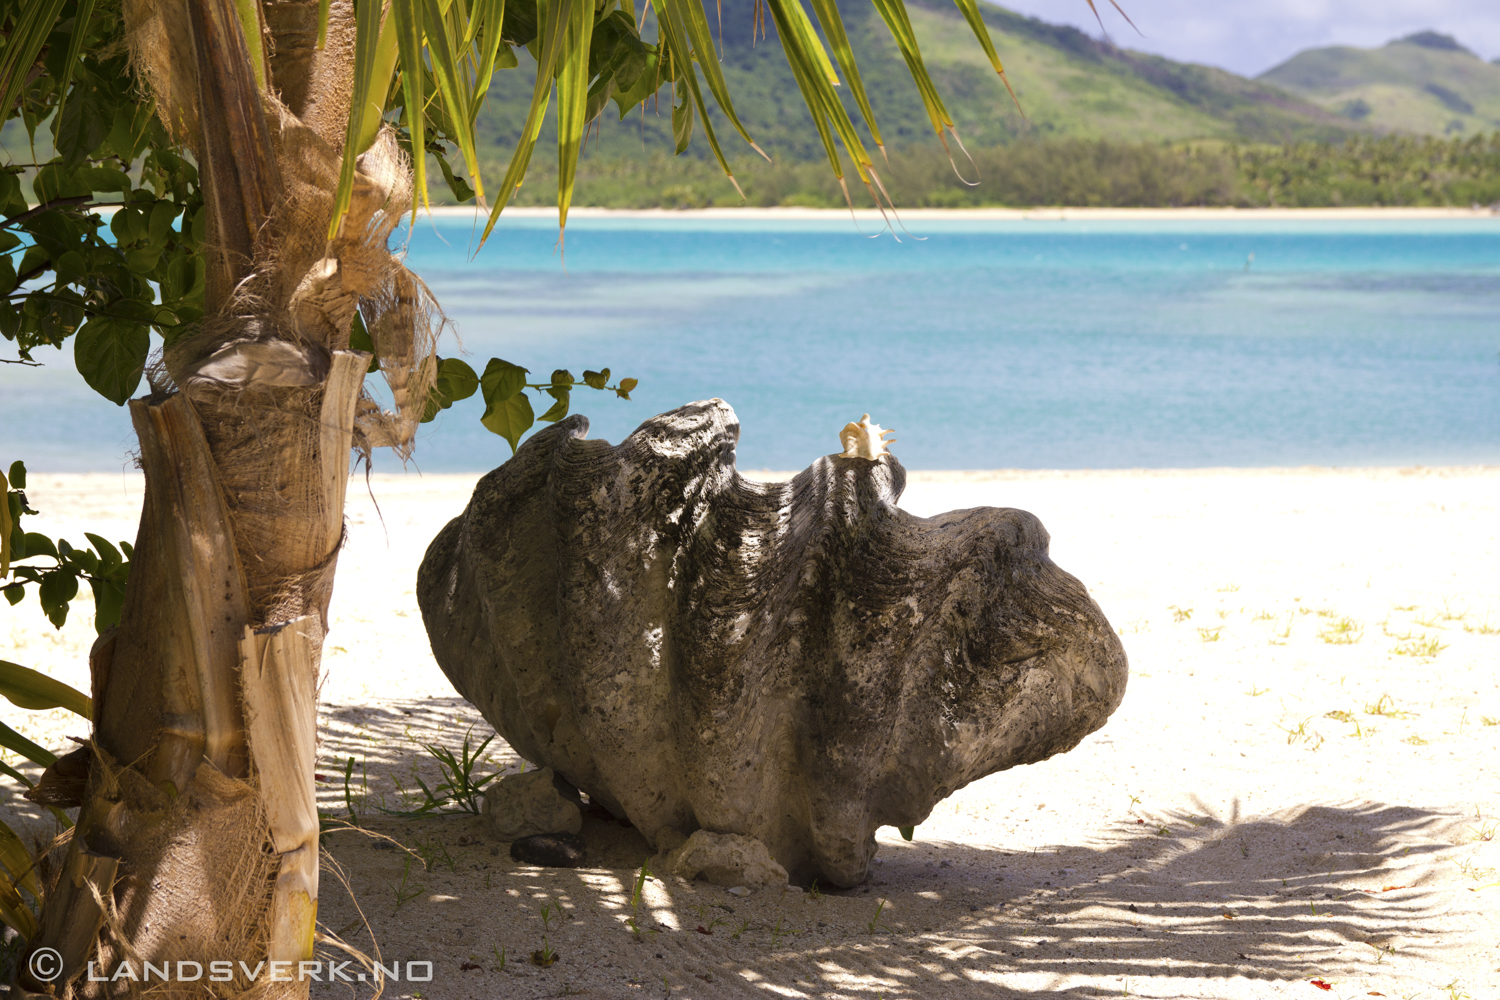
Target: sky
x,y
1251,36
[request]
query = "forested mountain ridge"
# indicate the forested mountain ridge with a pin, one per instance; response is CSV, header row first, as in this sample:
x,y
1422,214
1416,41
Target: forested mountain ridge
x,y
1068,84
1426,83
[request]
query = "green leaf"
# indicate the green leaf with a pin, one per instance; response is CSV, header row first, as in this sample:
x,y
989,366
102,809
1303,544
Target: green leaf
x,y
644,86
162,216
17,475
111,355
626,385
460,380
18,861
559,409
15,913
563,377
58,587
36,692
502,380
71,267
108,554
682,123
907,832
456,184
14,741
510,418
109,602
596,380
38,544
54,181
143,260
84,125
104,179
455,380
359,340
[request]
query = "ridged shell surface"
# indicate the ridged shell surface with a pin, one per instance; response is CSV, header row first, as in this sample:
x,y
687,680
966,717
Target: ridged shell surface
x,y
801,662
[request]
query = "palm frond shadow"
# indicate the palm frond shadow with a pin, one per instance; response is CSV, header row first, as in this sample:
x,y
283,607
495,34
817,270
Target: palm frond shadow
x,y
1261,899
1323,890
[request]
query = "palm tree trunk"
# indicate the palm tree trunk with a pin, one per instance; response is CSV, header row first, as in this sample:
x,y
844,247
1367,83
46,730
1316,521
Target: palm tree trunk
x,y
196,840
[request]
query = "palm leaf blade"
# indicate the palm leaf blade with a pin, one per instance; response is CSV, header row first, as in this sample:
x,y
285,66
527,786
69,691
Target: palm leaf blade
x,y
409,39
448,75
690,18
572,97
550,17
33,690
366,47
833,27
893,13
17,860
23,46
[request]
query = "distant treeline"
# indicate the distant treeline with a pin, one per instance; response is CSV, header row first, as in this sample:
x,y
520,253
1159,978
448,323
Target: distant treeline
x,y
1389,171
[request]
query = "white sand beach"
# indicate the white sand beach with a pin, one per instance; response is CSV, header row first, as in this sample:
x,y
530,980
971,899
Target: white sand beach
x,y
1301,789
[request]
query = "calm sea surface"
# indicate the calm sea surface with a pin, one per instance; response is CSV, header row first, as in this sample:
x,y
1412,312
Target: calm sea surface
x,y
986,345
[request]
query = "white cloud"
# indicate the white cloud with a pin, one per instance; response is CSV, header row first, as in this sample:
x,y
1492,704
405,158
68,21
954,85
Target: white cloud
x,y
1251,36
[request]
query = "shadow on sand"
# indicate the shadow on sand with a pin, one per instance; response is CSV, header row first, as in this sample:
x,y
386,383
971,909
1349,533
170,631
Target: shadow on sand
x,y
1155,909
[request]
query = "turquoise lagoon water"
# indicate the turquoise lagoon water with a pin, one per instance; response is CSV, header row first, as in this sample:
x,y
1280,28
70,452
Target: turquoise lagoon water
x,y
985,344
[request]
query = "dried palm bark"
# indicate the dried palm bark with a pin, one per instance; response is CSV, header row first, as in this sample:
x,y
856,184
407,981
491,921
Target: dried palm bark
x,y
197,831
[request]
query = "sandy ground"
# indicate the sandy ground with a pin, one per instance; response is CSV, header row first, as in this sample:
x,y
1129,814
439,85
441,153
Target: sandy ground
x,y
1300,786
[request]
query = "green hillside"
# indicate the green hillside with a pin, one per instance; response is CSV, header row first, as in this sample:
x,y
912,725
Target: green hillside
x,y
1088,106
1069,85
1426,84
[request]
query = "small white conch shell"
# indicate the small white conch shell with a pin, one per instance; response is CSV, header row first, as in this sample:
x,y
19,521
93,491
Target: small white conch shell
x,y
864,439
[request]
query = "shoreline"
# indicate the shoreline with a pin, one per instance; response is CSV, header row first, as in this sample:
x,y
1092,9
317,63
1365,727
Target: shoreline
x,y
1354,214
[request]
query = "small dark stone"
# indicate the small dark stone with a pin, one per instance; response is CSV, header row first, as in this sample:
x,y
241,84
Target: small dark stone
x,y
550,850
1134,908
383,845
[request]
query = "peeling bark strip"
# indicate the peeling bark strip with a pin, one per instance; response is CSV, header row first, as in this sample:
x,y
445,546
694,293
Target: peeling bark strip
x,y
241,178
281,706
801,662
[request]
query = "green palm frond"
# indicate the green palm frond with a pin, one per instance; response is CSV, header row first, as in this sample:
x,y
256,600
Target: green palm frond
x,y
435,59
23,46
33,690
